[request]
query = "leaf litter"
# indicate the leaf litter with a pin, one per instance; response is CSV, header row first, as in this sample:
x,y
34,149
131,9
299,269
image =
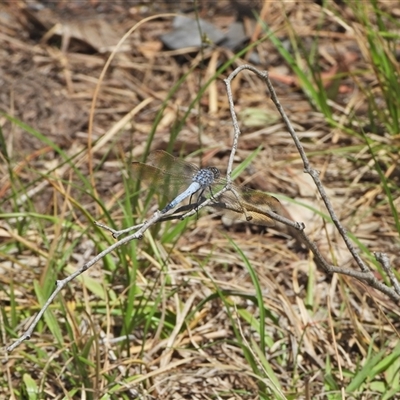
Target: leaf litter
x,y
48,71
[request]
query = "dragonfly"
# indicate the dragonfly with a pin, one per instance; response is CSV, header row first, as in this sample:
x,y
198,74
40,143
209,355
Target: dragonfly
x,y
172,176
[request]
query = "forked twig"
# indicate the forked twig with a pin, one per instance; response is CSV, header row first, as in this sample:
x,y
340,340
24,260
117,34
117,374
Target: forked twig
x,y
60,284
365,275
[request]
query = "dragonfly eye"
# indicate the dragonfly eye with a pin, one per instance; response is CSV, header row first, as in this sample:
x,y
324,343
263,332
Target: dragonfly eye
x,y
215,172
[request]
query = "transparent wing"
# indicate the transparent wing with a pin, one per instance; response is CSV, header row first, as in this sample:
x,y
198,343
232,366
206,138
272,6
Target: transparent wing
x,y
245,203
171,164
166,174
163,182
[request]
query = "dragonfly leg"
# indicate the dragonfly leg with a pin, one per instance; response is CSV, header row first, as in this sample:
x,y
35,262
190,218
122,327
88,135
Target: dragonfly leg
x,y
199,200
212,194
191,197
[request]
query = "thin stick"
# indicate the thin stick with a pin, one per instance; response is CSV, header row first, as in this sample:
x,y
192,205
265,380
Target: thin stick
x,y
307,166
383,259
365,275
60,284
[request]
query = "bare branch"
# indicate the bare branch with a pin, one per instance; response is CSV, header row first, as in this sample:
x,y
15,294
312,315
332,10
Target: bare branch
x,y
383,259
296,228
365,275
62,283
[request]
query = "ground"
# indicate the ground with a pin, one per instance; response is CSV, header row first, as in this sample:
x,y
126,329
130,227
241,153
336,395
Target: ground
x,y
199,308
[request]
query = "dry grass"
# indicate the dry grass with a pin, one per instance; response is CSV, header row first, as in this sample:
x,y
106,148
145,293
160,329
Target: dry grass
x,y
210,311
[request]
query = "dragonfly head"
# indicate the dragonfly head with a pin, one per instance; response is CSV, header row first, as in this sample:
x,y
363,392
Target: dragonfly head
x,y
215,172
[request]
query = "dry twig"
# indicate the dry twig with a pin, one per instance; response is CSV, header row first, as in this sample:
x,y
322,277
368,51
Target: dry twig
x,y
365,275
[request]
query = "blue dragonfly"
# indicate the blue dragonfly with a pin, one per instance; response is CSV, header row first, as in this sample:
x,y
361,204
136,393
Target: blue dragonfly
x,y
172,176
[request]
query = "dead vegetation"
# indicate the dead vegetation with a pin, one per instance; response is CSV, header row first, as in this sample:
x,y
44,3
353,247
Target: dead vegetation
x,y
185,295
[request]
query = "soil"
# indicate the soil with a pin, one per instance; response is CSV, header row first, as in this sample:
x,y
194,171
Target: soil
x,y
52,55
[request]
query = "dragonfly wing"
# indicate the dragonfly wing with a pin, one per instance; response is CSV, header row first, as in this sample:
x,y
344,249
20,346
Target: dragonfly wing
x,y
173,165
260,200
163,182
167,175
244,204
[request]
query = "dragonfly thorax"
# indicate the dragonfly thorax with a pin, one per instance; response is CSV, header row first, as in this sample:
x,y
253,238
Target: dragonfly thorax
x,y
206,176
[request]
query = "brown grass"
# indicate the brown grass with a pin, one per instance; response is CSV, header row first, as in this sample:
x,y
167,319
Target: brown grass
x,y
188,346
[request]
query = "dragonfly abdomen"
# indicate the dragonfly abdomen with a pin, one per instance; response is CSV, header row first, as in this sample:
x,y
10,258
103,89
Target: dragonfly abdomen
x,y
193,188
201,180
